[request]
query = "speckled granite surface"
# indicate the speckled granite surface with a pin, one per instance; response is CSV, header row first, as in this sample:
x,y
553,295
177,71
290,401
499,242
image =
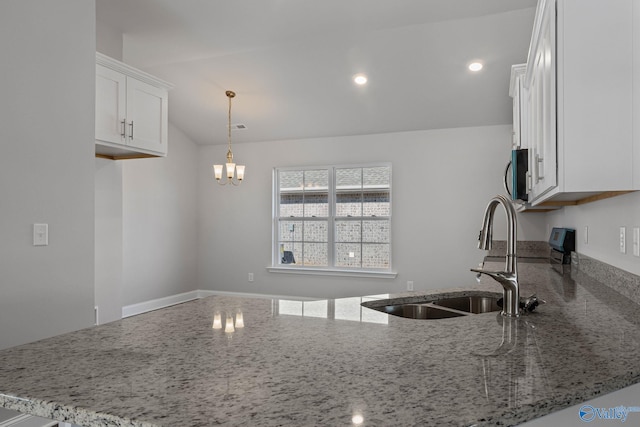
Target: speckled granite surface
x,y
524,249
623,282
169,367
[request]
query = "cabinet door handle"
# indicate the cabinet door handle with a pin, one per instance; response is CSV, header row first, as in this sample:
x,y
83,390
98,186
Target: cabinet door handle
x,y
124,129
539,161
131,127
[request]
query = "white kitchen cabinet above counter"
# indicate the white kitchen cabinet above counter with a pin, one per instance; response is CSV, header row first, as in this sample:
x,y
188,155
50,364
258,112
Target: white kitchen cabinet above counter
x,y
131,111
579,101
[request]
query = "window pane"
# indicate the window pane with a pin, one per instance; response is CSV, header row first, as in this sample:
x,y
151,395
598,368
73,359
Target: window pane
x,y
375,255
316,179
348,255
316,205
376,204
349,179
316,231
296,250
290,231
376,177
349,204
291,204
348,231
291,180
290,253
376,231
315,255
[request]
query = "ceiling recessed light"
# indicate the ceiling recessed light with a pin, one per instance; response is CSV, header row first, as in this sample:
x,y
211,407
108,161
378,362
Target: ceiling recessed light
x,y
475,66
360,79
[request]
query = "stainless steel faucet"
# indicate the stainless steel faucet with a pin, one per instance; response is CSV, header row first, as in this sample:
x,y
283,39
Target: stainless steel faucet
x,y
509,277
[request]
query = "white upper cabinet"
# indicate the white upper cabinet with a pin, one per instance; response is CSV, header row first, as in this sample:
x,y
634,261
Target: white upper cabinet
x,y
110,105
540,82
516,91
578,85
131,111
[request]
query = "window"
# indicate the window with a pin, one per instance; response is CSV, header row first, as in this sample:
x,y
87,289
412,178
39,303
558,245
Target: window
x,y
334,218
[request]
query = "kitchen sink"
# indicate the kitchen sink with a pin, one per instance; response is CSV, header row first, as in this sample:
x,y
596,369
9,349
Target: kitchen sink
x,y
470,304
443,308
419,311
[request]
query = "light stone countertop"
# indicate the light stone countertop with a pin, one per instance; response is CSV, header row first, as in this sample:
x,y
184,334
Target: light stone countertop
x,y
170,368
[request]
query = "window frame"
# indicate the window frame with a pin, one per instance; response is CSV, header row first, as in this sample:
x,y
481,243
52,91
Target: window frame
x,y
331,268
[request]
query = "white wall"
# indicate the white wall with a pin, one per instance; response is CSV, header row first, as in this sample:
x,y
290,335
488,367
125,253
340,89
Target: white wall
x,y
442,181
160,222
149,250
108,244
604,219
47,167
109,41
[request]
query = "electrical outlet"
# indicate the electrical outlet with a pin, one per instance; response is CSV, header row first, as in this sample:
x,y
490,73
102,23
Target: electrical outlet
x,y
636,241
410,285
40,234
585,237
251,277
623,240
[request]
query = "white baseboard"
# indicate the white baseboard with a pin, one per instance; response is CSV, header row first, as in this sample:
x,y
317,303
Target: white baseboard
x,y
206,293
155,304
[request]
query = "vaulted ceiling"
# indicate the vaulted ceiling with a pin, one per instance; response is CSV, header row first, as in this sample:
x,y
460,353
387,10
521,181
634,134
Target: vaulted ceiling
x,y
291,62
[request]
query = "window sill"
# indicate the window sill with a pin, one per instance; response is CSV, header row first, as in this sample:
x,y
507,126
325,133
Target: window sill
x,y
333,272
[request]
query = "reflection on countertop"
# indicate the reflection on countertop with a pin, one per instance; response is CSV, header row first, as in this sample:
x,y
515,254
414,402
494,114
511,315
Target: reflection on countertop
x,y
334,362
338,309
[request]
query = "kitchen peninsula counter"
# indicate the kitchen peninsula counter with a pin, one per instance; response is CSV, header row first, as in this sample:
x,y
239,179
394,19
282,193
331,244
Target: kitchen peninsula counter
x,y
170,367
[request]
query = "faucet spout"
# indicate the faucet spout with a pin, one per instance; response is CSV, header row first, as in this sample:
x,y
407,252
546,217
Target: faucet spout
x,y
509,277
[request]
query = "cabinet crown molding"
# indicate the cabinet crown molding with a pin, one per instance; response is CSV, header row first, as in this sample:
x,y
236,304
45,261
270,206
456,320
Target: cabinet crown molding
x,y
123,68
518,70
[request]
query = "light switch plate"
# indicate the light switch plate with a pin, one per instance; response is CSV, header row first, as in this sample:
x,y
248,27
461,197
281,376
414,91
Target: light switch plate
x,y
636,241
623,240
40,234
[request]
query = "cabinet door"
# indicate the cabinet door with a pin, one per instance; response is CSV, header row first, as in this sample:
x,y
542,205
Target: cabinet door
x,y
147,116
517,117
542,88
110,105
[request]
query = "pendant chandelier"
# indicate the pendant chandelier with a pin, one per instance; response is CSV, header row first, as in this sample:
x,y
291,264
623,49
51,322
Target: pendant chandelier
x,y
232,168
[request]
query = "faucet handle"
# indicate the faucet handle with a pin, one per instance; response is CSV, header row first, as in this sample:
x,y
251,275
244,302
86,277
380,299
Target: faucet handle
x,y
532,302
